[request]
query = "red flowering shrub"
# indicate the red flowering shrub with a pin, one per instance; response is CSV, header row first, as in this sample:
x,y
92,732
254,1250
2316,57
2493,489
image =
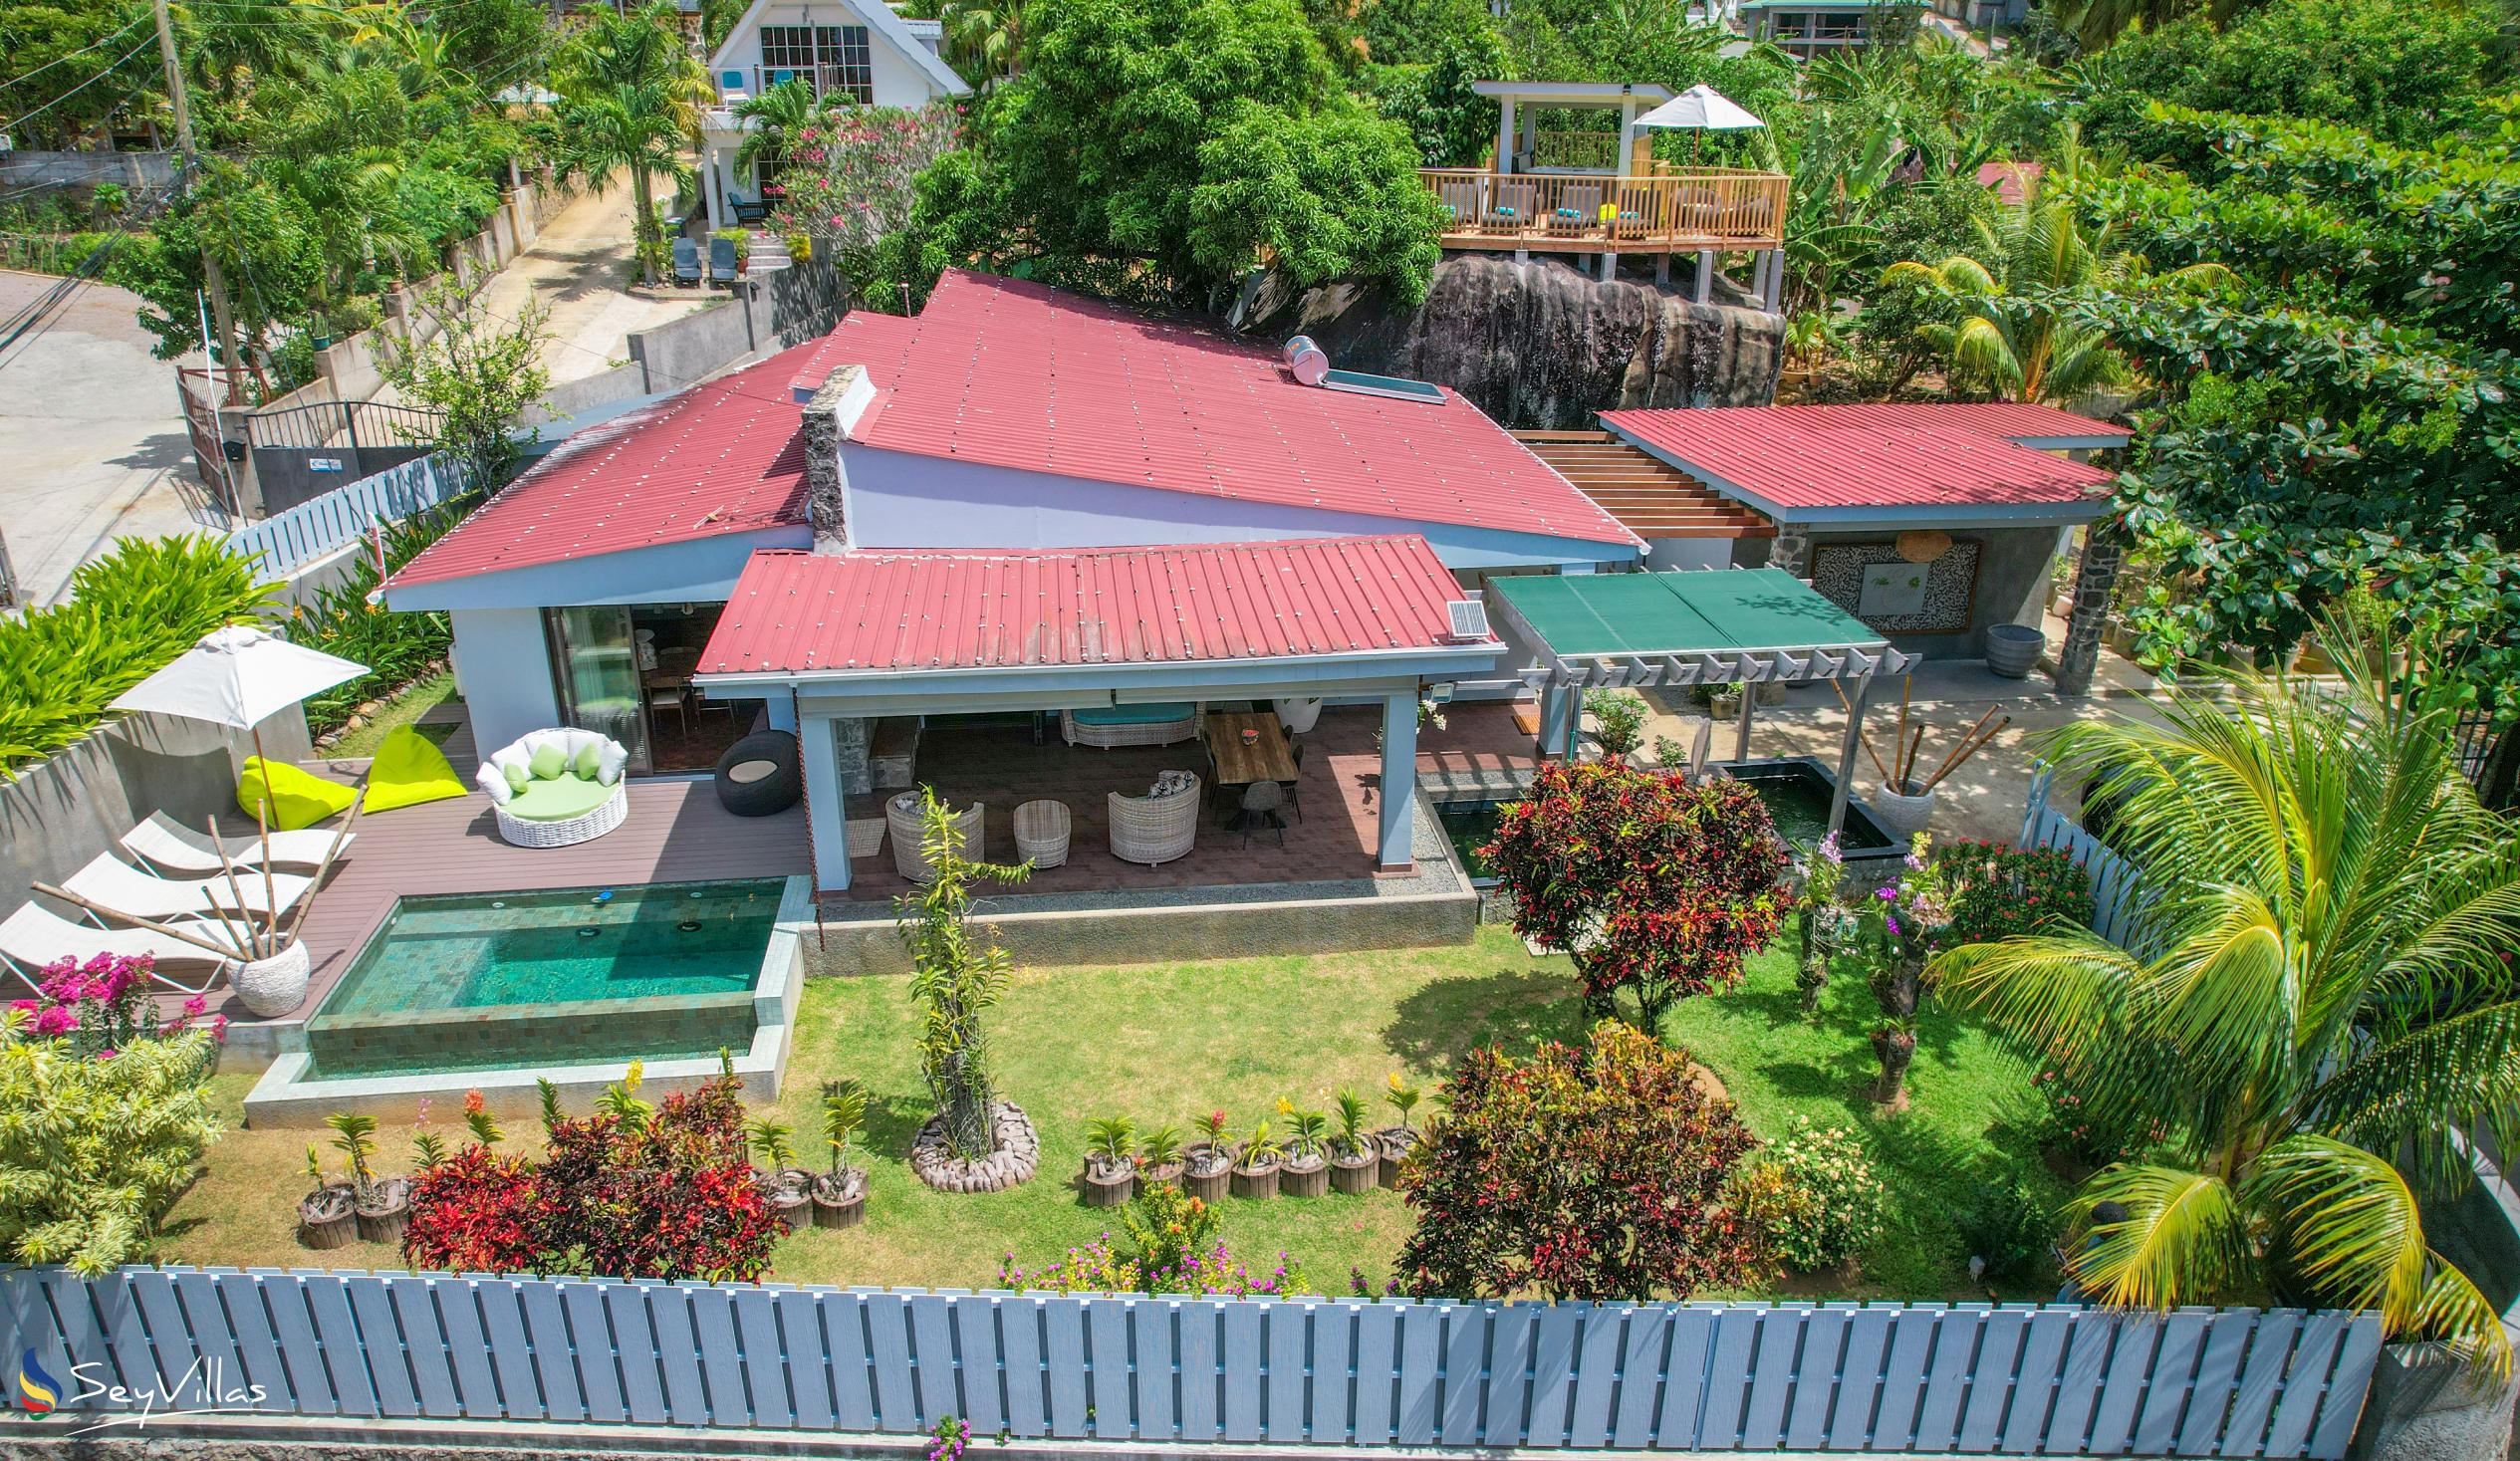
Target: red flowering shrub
x,y
1997,891
1656,884
662,1192
476,1212
1591,1174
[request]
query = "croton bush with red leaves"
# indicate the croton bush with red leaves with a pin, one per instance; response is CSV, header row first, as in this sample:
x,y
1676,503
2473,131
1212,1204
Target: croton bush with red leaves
x,y
634,1191
1656,884
1591,1173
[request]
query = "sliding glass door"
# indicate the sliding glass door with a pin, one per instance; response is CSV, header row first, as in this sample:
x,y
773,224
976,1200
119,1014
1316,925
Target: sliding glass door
x,y
595,664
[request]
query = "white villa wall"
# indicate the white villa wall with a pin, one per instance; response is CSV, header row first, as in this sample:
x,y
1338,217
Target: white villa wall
x,y
898,500
504,671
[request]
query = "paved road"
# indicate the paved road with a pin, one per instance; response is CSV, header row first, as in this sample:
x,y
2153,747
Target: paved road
x,y
92,436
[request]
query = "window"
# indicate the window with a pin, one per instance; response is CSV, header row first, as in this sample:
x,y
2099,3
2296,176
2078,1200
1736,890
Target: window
x,y
787,50
848,62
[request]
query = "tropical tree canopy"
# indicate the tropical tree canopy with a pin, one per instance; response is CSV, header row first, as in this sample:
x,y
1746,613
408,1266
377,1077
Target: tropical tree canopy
x,y
2322,991
633,94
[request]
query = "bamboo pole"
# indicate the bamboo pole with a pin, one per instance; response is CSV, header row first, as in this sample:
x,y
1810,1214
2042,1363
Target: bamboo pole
x,y
1907,763
241,928
306,905
1967,749
1864,735
1899,737
1966,737
135,920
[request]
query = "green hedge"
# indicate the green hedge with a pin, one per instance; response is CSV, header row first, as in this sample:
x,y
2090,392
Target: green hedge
x,y
128,614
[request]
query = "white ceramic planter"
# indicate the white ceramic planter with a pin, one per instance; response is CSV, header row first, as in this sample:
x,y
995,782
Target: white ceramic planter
x,y
277,985
1299,716
1904,816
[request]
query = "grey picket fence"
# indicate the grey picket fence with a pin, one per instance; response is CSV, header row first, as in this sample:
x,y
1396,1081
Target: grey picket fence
x,y
285,542
1917,1377
2117,896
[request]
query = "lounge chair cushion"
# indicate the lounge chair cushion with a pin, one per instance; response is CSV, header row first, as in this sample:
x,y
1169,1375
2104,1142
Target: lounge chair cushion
x,y
549,761
298,798
588,762
1136,714
559,797
410,770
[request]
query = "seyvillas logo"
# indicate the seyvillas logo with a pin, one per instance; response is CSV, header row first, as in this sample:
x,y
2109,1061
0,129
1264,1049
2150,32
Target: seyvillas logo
x,y
38,1391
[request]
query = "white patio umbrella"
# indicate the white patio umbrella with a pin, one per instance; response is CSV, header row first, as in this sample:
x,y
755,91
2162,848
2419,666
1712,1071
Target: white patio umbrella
x,y
239,677
1700,108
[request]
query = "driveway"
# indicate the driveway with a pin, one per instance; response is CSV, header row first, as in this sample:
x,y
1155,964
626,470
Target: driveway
x,y
92,434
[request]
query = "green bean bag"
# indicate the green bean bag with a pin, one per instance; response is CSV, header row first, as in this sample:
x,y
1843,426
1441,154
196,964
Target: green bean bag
x,y
410,770
298,799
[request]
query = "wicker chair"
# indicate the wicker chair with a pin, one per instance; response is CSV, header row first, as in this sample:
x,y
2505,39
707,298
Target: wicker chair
x,y
1128,733
1041,834
909,837
1154,829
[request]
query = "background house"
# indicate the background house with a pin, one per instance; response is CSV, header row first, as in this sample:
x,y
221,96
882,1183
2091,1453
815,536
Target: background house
x,y
858,50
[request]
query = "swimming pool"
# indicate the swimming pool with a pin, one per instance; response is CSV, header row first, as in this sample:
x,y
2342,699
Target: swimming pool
x,y
497,981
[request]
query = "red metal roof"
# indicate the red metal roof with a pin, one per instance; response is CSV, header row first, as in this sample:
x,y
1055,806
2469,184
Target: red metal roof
x,y
725,456
1930,454
796,612
1019,375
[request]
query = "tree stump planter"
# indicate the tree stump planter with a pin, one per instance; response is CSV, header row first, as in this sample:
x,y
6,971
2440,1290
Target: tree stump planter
x,y
326,1218
1355,1173
789,1193
1392,1146
1305,1176
1013,1162
1257,1180
1159,1174
1207,1175
1109,1186
387,1210
840,1201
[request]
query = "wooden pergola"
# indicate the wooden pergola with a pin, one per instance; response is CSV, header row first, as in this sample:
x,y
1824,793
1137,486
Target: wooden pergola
x,y
1571,634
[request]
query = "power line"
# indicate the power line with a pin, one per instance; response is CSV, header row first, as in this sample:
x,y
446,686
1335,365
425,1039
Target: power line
x,y
96,44
23,117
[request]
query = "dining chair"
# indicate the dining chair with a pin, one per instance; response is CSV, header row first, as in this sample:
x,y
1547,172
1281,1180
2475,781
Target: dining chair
x,y
1294,789
1259,811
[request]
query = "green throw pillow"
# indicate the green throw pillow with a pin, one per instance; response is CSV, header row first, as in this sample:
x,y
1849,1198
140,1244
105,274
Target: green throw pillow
x,y
410,770
548,762
518,778
589,760
297,798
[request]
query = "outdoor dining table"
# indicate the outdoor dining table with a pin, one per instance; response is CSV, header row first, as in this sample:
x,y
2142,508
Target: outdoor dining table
x,y
1266,758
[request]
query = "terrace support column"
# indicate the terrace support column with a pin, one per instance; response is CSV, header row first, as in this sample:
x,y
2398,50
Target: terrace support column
x,y
1400,782
1705,275
2095,586
1559,708
826,803
1845,752
1505,135
1741,730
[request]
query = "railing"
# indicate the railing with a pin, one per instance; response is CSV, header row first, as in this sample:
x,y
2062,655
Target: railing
x,y
1701,208
280,545
1909,1377
1598,151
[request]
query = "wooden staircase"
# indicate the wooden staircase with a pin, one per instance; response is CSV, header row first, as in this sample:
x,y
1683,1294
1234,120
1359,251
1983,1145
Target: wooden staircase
x,y
1650,497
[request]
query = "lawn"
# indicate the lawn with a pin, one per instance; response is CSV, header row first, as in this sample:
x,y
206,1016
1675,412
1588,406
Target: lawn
x,y
418,699
1163,1044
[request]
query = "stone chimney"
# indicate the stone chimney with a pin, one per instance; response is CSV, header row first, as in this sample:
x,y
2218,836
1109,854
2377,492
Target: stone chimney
x,y
829,414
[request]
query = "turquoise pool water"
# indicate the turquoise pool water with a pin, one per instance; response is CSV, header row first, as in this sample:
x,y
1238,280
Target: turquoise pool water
x,y
495,981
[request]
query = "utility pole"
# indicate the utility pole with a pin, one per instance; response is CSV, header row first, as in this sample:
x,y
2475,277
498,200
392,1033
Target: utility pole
x,y
210,272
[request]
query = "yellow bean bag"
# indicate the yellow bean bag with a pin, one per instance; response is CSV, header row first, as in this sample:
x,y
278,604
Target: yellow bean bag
x,y
298,799
410,770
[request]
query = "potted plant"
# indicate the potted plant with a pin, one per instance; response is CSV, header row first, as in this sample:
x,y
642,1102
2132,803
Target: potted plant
x,y
1618,724
1304,1172
325,1218
1299,715
840,1194
1391,1144
785,1186
1720,702
381,1205
1111,1162
1160,1157
1211,1163
1355,1166
1256,1167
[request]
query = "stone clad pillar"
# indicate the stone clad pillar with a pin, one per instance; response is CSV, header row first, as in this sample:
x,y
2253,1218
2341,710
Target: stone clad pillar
x,y
1791,550
2095,586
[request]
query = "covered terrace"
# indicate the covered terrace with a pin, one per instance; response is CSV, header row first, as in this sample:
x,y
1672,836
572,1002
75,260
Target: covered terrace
x,y
1712,627
1068,675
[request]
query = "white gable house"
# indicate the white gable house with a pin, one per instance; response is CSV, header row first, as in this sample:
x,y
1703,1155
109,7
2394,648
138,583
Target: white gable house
x,y
856,49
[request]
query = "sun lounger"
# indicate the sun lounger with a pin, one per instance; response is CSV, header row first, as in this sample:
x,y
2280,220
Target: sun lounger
x,y
33,937
172,848
686,263
111,883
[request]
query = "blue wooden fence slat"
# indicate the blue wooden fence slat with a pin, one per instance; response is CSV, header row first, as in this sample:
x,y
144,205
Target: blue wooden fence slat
x,y
2045,1379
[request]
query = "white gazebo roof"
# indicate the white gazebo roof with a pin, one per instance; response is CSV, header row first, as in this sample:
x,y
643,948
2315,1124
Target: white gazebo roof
x,y
1574,94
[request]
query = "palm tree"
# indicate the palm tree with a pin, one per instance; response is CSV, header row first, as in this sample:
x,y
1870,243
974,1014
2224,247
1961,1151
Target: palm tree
x,y
983,37
775,118
2323,988
631,101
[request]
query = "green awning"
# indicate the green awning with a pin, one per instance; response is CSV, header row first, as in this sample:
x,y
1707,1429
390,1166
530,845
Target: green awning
x,y
1708,610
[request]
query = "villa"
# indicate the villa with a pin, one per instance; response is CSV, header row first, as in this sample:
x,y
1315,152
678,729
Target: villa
x,y
858,51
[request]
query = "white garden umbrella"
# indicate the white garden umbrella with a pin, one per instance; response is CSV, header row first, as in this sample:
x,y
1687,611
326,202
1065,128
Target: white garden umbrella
x,y
1700,108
